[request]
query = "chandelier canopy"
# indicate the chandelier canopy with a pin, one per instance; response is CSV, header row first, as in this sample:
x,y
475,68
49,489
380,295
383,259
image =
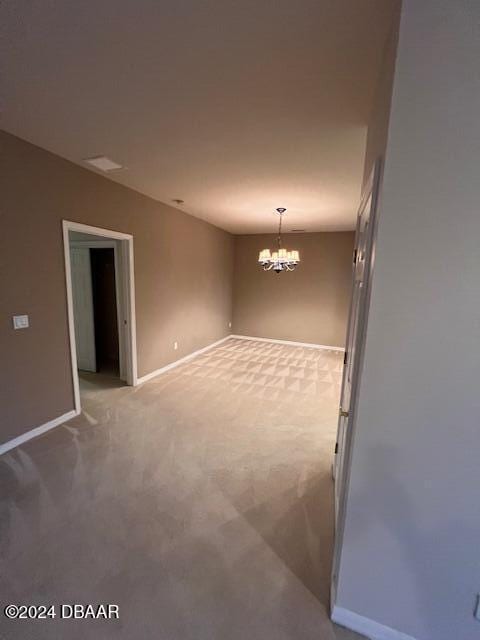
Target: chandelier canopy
x,y
280,260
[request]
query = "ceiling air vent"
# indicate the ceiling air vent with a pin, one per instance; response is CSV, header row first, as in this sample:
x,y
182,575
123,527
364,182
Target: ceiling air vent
x,y
103,163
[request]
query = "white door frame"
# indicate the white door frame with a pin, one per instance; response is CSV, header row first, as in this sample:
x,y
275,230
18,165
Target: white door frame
x,y
371,190
124,267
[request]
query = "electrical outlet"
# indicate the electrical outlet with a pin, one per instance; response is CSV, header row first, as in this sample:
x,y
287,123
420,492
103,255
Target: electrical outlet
x,y
476,612
229,325
175,345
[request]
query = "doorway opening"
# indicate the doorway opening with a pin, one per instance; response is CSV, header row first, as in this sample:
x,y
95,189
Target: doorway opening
x,y
101,313
105,311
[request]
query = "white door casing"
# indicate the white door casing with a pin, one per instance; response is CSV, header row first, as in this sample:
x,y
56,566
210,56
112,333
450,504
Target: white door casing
x,y
354,322
124,268
363,261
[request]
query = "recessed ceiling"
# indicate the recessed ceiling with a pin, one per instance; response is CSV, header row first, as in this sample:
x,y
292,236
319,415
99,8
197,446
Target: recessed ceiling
x,y
234,106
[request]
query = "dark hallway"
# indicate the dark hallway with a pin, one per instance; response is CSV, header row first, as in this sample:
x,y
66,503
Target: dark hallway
x,y
105,310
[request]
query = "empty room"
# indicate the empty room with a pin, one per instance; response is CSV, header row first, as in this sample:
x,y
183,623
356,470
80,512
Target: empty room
x,y
239,320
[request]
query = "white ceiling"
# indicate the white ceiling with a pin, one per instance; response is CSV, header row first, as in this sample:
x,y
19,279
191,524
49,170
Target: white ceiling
x,y
234,106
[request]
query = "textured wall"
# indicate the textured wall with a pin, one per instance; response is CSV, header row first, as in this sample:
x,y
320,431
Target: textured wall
x,y
183,277
410,558
309,304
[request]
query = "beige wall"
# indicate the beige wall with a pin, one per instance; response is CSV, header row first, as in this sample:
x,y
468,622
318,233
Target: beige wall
x,y
183,277
309,304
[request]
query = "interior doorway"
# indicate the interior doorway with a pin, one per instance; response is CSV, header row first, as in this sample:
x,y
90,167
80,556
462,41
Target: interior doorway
x,y
100,297
97,312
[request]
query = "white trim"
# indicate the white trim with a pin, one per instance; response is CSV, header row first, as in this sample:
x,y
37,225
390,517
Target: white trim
x,y
129,288
97,231
174,364
366,626
311,345
71,322
37,431
126,248
342,480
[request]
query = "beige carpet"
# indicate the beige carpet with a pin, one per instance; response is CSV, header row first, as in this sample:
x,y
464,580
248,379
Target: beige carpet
x,y
200,503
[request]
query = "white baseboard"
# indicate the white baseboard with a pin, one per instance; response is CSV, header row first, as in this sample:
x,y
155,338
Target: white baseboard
x,y
172,365
370,628
37,431
312,345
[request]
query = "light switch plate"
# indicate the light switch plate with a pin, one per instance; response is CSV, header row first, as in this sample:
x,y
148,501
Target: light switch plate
x,y
20,322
